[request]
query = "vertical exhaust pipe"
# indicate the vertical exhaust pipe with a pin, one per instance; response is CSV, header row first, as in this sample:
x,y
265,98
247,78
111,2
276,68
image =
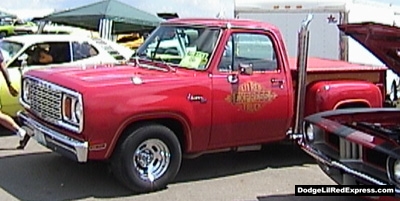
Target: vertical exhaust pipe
x,y
302,54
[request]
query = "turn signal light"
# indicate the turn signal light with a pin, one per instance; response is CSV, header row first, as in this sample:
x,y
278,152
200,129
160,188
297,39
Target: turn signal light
x,y
67,107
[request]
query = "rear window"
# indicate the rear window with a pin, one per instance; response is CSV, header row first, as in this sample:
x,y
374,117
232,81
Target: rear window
x,y
83,50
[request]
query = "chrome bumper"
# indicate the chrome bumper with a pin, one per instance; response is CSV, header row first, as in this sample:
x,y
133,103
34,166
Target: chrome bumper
x,y
71,148
322,158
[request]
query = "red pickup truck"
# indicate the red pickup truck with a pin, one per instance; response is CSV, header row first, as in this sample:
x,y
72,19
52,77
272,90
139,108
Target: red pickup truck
x,y
195,86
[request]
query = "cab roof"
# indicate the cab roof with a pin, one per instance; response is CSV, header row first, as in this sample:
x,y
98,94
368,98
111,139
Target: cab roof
x,y
223,23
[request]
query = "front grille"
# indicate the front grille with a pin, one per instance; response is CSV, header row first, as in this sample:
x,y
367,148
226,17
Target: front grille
x,y
349,150
46,100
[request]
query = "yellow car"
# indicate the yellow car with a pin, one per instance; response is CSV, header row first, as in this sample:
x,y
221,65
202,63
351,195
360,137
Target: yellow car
x,y
63,50
132,41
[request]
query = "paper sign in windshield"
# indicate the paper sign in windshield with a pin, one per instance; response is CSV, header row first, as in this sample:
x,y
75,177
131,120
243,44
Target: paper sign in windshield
x,y
195,60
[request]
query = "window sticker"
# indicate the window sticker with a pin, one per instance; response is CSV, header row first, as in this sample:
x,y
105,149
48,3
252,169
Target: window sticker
x,y
194,59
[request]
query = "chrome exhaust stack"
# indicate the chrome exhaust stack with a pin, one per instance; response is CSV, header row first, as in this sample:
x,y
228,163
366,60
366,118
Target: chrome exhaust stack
x,y
302,55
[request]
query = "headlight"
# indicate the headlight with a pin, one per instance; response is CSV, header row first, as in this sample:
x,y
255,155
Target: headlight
x,y
393,170
309,132
396,170
72,109
26,96
78,111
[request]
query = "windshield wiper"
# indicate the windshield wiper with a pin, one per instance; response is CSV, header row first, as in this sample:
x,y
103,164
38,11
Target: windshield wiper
x,y
137,56
153,67
170,68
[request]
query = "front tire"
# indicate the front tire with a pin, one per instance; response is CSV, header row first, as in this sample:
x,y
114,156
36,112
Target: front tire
x,y
148,159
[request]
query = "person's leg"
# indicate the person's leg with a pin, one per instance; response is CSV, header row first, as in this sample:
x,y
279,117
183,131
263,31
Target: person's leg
x,y
10,124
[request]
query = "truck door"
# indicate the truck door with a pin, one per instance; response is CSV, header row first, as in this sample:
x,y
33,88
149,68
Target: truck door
x,y
249,107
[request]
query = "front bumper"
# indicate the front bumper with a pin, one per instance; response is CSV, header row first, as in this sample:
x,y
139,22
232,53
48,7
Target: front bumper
x,y
56,141
346,170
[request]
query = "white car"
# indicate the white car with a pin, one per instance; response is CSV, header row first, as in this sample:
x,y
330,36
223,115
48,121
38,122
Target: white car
x,y
65,50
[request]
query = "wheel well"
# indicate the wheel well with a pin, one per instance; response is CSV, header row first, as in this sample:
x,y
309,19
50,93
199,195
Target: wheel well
x,y
353,105
173,124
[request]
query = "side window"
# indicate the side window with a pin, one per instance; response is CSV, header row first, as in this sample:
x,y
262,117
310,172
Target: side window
x,y
46,53
249,49
83,50
49,53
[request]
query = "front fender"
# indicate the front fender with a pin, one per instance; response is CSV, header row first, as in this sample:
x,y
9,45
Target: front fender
x,y
331,95
156,107
154,115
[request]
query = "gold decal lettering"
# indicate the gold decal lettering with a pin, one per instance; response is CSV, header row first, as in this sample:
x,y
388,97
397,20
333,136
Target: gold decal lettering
x,y
251,97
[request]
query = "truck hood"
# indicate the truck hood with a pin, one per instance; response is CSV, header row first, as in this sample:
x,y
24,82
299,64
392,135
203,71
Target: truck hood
x,y
381,40
103,75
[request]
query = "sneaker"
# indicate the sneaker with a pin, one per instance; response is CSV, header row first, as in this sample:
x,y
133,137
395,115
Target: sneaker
x,y
24,142
21,133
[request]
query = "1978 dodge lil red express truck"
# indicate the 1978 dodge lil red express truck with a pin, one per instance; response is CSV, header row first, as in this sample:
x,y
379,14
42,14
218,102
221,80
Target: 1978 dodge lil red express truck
x,y
195,86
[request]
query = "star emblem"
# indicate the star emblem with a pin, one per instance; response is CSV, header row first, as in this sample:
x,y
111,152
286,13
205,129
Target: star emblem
x,y
332,19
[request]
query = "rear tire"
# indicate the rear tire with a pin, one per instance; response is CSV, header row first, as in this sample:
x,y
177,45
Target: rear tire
x,y
3,34
148,159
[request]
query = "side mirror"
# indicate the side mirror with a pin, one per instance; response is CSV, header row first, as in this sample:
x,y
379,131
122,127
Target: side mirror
x,y
24,63
246,69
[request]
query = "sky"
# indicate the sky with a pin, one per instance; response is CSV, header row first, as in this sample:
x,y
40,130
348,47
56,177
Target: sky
x,y
185,8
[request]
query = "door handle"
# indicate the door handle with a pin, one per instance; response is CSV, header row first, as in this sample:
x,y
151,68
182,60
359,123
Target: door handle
x,y
278,82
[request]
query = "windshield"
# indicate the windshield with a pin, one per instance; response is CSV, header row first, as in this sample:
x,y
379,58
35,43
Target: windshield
x,y
9,49
184,46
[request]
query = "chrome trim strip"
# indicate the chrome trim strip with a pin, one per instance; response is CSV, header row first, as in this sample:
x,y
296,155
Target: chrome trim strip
x,y
336,164
78,148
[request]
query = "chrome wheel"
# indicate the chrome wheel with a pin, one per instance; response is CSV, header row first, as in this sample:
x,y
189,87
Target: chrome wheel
x,y
151,159
147,159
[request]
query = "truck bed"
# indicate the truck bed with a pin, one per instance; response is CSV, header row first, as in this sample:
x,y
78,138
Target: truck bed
x,y
323,65
328,69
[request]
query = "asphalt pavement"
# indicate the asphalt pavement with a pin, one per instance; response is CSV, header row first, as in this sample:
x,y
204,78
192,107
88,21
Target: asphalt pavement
x,y
38,174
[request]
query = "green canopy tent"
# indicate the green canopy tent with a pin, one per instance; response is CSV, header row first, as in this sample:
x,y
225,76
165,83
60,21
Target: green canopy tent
x,y
110,16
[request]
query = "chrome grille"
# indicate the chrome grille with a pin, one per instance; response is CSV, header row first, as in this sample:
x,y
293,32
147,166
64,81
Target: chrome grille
x,y
46,100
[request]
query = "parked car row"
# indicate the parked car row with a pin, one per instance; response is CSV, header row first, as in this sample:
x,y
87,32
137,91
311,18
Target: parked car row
x,y
11,26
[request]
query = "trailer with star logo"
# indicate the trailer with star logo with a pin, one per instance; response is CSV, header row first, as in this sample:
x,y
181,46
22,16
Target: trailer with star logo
x,y
326,40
